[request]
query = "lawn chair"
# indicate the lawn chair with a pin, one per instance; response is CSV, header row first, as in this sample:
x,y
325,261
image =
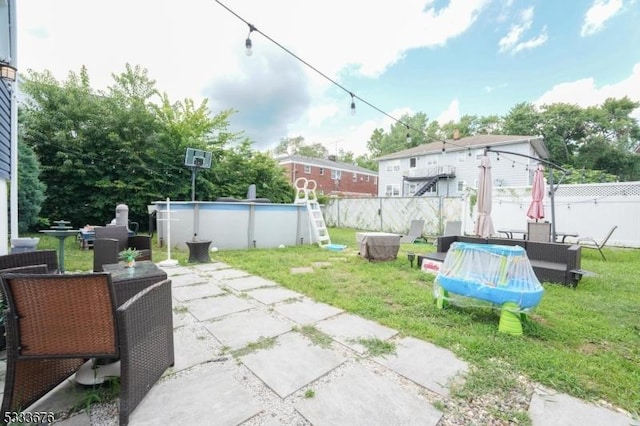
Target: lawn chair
x,y
453,227
55,322
111,240
539,231
415,232
593,244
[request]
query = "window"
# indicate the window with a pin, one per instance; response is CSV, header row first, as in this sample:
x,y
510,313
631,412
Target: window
x,y
307,169
336,174
461,185
461,156
321,171
412,189
412,162
355,177
432,160
392,191
367,178
393,166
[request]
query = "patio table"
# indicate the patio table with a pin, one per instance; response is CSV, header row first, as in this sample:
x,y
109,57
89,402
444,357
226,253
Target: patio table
x,y
128,282
509,232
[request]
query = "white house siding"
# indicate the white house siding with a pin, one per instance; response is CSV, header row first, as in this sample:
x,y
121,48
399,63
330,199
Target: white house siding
x,y
509,170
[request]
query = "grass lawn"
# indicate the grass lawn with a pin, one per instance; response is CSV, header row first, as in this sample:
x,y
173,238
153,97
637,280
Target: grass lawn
x,y
583,341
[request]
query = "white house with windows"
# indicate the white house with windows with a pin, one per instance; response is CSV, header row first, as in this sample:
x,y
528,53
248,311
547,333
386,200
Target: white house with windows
x,y
446,168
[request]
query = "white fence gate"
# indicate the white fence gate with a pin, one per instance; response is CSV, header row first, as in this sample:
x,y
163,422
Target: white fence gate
x,y
586,209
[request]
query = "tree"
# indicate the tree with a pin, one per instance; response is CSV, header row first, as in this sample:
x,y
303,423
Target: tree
x,y
30,189
522,119
127,145
408,132
612,120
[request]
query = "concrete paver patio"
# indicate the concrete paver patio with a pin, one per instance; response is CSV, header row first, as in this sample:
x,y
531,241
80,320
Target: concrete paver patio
x,y
291,378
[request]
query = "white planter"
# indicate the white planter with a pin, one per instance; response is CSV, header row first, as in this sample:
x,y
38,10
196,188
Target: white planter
x,y
19,245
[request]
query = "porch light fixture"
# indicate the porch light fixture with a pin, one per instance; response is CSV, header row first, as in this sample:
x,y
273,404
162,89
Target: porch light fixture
x,y
7,72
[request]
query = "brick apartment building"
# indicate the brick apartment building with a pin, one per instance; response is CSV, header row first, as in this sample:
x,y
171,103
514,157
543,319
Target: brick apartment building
x,y
332,177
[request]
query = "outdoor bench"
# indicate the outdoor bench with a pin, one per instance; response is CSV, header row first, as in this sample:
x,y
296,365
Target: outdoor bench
x,y
551,262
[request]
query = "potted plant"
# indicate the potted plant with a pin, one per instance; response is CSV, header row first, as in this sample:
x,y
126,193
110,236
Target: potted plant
x,y
129,257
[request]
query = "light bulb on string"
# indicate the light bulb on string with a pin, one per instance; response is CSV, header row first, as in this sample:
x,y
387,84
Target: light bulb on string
x,y
469,149
353,105
408,135
513,164
247,43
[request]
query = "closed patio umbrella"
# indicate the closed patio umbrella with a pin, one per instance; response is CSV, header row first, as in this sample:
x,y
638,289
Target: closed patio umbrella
x,y
484,224
536,208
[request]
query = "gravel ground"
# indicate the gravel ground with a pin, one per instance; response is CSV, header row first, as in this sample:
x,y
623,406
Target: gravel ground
x,y
487,409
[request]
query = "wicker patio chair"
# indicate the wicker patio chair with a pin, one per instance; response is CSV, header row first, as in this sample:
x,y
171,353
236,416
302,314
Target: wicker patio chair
x,y
111,240
56,322
37,257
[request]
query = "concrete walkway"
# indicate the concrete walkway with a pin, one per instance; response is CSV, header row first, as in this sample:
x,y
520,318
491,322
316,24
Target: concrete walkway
x,y
250,352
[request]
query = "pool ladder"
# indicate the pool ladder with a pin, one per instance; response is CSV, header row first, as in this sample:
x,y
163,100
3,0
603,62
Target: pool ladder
x,y
306,193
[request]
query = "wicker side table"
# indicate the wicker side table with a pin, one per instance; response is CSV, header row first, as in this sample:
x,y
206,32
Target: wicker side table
x,y
199,251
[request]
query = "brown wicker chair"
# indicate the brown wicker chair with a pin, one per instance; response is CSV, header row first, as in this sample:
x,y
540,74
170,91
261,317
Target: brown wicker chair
x,y
56,322
37,257
111,240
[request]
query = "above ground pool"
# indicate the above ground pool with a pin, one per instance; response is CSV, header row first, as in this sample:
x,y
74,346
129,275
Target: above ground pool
x,y
234,224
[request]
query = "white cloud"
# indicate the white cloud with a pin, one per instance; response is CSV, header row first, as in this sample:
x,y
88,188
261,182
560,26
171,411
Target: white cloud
x,y
452,113
319,113
598,14
532,43
205,41
196,50
513,42
489,88
584,92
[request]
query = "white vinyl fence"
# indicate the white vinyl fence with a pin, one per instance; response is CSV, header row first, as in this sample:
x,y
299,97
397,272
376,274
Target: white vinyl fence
x,y
589,210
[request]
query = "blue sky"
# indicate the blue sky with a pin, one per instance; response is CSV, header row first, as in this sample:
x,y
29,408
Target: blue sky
x,y
445,58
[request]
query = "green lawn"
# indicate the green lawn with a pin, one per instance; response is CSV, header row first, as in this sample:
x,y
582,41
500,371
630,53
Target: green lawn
x,y
583,341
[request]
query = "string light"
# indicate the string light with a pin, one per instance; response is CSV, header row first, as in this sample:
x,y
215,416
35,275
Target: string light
x,y
408,135
247,42
353,96
353,104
